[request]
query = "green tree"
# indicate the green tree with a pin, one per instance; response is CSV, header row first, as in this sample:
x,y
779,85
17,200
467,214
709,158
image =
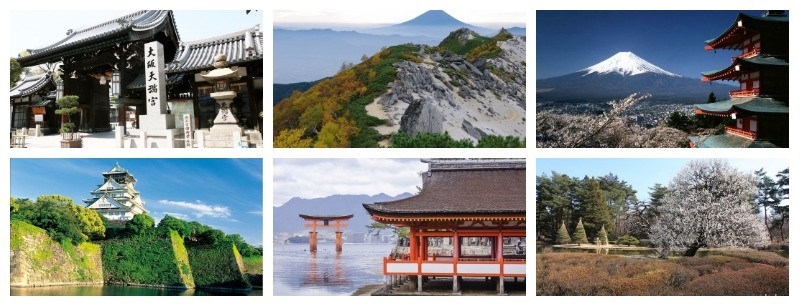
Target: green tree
x,y
178,225
16,71
555,203
768,196
375,229
212,236
563,236
593,206
602,237
67,105
628,240
139,224
54,216
711,98
579,235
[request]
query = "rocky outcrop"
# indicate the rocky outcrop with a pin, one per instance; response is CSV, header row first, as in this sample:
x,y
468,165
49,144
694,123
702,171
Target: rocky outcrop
x,y
466,98
37,260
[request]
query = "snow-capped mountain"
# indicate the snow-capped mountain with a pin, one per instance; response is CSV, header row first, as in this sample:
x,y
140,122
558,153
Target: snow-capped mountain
x,y
621,75
626,63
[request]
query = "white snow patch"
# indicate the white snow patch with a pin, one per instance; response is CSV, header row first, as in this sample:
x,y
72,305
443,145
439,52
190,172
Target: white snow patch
x,y
626,63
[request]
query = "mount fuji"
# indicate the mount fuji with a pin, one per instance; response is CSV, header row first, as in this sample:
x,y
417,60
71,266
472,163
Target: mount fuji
x,y
621,75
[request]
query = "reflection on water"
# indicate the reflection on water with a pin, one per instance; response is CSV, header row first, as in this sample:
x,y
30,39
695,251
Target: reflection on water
x,y
119,291
296,271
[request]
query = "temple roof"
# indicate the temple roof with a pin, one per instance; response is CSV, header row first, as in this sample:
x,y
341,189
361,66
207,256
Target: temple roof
x,y
458,187
735,35
240,47
756,63
754,104
138,22
31,84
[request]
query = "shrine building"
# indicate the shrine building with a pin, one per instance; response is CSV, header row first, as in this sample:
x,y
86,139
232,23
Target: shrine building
x,y
759,109
461,201
116,199
104,66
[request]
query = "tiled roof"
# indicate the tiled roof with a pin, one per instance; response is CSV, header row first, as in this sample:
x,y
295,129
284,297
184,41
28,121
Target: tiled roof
x,y
464,187
756,105
31,84
729,40
140,21
762,61
240,47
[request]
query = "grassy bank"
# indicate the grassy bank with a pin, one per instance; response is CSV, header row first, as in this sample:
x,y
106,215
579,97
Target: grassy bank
x,y
728,272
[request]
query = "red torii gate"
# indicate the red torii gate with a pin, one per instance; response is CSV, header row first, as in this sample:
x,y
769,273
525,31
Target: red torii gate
x,y
340,222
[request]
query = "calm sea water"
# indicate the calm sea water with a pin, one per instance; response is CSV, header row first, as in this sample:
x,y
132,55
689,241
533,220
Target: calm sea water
x,y
119,290
298,272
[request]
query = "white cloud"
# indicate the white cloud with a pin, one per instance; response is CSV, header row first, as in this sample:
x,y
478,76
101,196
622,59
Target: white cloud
x,y
316,178
200,209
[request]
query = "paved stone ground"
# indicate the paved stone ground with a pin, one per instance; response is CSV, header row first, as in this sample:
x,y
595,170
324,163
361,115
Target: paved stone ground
x,y
90,140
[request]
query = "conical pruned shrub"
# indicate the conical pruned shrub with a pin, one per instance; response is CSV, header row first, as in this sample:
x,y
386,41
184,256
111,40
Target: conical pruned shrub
x,y
579,235
603,236
562,237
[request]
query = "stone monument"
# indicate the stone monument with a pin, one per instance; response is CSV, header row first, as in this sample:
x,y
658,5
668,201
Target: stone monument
x,y
157,128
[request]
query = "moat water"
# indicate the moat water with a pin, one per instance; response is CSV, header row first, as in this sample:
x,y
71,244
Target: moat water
x,y
298,272
119,291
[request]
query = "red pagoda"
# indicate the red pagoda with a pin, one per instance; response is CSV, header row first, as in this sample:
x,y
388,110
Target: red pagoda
x,y
468,221
760,108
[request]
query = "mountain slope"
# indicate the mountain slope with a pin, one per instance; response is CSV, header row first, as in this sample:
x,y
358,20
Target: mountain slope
x,y
417,89
621,75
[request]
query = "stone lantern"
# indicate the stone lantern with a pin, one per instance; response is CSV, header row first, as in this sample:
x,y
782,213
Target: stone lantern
x,y
220,78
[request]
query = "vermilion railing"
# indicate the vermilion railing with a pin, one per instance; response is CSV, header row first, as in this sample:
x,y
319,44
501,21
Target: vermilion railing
x,y
741,133
744,93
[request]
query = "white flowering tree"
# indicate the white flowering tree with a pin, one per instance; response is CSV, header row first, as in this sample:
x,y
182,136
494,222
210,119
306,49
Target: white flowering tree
x,y
708,204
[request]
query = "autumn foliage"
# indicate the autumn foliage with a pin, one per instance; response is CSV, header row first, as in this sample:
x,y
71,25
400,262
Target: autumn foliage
x,y
331,114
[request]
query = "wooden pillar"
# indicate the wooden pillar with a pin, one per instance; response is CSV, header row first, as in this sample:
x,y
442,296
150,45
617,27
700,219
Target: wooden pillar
x,y
456,255
499,250
312,237
412,246
338,241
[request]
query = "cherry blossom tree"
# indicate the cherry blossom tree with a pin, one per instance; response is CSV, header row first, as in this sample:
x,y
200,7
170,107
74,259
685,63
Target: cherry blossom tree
x,y
708,204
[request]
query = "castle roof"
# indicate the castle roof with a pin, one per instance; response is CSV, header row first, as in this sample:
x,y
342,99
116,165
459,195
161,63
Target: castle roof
x,y
736,34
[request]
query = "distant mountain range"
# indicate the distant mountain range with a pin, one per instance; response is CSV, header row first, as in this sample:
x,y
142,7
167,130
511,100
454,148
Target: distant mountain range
x,y
286,217
307,55
621,75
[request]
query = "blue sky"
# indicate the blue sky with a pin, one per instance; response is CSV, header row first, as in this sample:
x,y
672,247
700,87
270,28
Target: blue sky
x,y
568,41
643,173
226,194
192,25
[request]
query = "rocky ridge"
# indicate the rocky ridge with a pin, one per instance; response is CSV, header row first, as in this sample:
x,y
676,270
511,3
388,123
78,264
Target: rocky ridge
x,y
467,98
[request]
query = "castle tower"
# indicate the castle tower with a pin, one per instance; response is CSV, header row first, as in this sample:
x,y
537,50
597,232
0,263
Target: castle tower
x,y
116,198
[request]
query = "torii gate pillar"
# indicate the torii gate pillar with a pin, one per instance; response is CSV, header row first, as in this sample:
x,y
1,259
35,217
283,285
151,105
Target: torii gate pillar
x,y
314,222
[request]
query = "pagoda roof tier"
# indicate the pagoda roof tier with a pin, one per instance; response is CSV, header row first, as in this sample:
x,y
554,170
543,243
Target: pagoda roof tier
x,y
110,184
739,65
746,26
754,105
31,84
240,47
483,189
327,217
132,27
